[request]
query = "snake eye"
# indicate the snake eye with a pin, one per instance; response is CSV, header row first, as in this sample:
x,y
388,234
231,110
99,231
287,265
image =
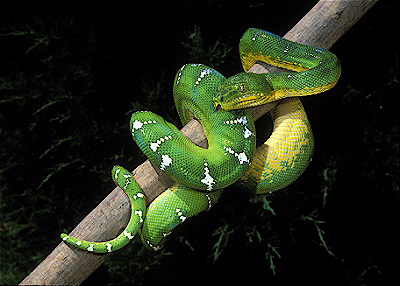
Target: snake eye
x,y
242,88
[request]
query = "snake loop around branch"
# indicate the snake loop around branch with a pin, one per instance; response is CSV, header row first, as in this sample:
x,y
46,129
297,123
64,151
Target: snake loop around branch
x,y
221,105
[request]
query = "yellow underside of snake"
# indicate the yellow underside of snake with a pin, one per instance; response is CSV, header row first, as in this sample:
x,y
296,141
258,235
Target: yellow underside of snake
x,y
221,105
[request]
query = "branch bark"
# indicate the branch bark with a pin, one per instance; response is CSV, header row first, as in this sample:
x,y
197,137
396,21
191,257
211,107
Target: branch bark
x,y
322,26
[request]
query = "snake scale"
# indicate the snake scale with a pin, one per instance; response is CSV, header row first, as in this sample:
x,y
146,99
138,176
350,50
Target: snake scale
x,y
221,105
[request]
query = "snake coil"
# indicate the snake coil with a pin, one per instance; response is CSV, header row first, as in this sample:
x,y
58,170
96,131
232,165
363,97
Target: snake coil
x,y
220,104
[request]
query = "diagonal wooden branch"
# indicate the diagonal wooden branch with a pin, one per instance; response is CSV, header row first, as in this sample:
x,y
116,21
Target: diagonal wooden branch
x,y
322,26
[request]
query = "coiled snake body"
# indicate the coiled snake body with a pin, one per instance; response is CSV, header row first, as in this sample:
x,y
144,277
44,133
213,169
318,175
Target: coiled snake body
x,y
220,104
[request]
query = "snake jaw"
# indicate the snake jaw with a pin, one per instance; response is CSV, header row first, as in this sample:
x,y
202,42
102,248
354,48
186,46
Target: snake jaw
x,y
218,102
217,107
227,99
237,100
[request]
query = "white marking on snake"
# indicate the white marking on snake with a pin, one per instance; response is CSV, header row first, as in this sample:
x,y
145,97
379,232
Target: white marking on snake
x,y
140,215
166,161
65,238
178,78
138,195
242,120
203,73
209,202
242,157
78,242
127,182
137,125
109,246
208,180
90,248
116,173
128,234
154,146
247,133
180,215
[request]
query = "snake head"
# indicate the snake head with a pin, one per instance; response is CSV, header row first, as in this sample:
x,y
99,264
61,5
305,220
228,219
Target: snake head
x,y
243,90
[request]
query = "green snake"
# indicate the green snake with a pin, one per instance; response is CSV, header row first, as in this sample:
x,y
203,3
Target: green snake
x,y
221,105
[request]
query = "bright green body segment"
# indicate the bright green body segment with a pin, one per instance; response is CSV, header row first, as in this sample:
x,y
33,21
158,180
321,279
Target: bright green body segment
x,y
230,134
315,70
201,92
127,183
172,208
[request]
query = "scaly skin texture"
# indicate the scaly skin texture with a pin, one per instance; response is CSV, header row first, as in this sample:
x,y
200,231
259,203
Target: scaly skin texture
x,y
127,183
219,104
316,70
172,208
281,159
230,134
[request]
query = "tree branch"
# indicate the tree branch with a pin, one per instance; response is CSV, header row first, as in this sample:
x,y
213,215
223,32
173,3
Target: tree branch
x,y
322,26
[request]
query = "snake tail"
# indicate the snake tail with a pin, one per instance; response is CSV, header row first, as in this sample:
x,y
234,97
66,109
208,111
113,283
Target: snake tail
x,y
170,209
124,179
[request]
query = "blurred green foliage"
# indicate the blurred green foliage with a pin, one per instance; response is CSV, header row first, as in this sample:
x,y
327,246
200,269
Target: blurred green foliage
x,y
213,55
70,80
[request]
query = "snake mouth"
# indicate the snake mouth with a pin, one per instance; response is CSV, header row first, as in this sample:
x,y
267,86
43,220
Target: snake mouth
x,y
250,100
217,107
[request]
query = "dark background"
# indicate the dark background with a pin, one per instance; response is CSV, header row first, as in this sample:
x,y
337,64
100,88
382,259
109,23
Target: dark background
x,y
71,75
